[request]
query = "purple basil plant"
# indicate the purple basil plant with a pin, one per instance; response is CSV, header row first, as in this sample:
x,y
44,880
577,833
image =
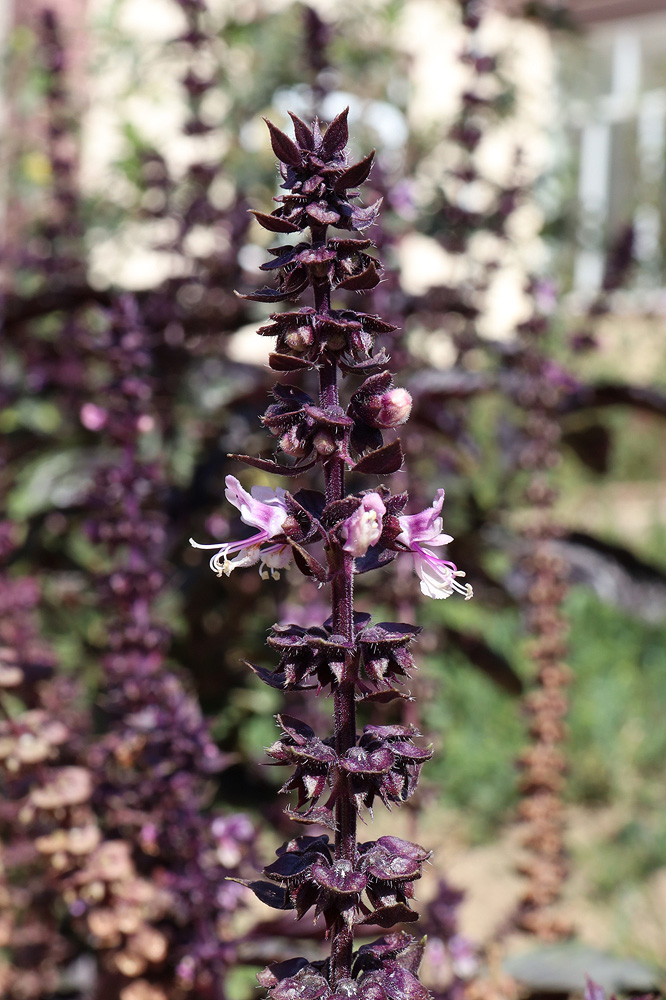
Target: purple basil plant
x,y
332,536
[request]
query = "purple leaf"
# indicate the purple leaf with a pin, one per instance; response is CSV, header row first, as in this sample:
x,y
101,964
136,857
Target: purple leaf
x,y
339,510
308,565
396,503
312,501
287,866
339,880
307,528
402,985
267,294
296,281
382,462
322,213
357,282
304,136
317,255
374,323
356,174
318,814
314,750
404,948
285,256
274,224
383,697
287,363
388,916
274,680
314,183
357,761
286,636
411,955
350,246
376,385
362,218
283,147
329,417
412,752
365,367
404,848
391,632
386,732
336,136
318,844
306,985
299,731
271,895
273,974
268,465
291,394
373,559
395,869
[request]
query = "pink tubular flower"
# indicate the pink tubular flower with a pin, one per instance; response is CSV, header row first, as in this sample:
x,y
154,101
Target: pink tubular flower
x,y
438,576
395,407
364,527
265,509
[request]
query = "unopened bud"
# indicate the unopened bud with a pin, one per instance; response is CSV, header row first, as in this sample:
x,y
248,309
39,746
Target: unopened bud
x,y
292,444
324,443
394,409
299,339
336,341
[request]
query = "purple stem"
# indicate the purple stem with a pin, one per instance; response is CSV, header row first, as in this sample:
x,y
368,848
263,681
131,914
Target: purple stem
x,y
342,609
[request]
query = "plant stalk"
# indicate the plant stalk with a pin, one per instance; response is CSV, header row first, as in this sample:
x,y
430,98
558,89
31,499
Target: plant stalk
x,y
342,610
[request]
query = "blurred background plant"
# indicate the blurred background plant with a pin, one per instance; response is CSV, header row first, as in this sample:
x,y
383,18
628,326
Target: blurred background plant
x,y
520,155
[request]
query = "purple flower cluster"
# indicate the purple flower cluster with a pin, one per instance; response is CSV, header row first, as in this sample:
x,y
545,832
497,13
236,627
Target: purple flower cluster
x,y
385,970
154,763
346,882
386,763
451,957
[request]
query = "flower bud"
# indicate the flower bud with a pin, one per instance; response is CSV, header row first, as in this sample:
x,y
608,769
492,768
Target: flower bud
x,y
364,527
299,339
292,444
394,409
336,341
324,443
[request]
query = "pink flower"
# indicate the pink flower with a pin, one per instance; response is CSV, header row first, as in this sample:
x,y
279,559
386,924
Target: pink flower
x,y
395,407
364,527
438,576
265,509
93,417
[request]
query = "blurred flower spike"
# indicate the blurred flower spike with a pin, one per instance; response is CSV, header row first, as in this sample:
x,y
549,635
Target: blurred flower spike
x,y
438,576
262,508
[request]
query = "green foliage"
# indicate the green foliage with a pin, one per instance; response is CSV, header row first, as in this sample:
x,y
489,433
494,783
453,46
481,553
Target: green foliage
x,y
478,735
617,741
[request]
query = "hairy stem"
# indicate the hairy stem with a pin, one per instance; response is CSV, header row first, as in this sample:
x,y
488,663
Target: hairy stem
x,y
342,609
